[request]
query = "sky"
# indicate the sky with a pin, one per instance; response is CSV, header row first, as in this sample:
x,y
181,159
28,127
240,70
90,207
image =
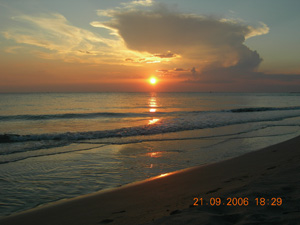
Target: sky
x,y
114,45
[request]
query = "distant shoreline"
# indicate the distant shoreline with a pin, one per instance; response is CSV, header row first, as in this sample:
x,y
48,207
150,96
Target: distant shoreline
x,y
171,92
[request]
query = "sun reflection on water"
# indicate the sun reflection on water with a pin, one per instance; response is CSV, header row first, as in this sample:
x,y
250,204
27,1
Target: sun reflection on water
x,y
152,103
153,121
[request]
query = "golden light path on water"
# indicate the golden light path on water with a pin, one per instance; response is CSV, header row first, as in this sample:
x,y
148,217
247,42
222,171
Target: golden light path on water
x,y
152,109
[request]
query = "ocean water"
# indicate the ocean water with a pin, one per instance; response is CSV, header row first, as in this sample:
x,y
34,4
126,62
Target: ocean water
x,y
60,145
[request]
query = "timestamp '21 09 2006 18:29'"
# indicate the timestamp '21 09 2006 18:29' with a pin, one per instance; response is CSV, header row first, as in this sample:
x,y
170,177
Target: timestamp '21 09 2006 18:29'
x,y
238,201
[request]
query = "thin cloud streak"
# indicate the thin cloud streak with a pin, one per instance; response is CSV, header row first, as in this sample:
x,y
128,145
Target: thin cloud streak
x,y
61,40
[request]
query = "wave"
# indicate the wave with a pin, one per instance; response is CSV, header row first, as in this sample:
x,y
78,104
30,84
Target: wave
x,y
263,109
182,123
41,148
73,116
132,115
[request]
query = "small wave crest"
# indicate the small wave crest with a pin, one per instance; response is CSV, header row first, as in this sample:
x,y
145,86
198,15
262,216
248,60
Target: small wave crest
x,y
72,116
263,109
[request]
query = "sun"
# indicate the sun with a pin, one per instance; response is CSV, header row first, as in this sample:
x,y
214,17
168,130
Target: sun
x,y
153,80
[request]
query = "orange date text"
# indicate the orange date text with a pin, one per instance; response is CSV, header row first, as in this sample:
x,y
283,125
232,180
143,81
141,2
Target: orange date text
x,y
237,201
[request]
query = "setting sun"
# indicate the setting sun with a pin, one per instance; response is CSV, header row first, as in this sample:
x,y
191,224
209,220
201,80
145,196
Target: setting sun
x,y
153,80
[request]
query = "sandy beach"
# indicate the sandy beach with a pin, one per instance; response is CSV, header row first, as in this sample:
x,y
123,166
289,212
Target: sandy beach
x,y
266,182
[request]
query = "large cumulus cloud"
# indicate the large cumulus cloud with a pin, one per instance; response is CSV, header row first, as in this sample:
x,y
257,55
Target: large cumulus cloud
x,y
203,42
208,50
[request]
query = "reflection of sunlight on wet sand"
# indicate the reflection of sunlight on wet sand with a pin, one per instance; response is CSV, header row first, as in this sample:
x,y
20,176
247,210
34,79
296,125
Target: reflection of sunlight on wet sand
x,y
154,154
164,175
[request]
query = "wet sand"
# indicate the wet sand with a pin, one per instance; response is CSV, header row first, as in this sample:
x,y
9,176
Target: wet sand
x,y
272,173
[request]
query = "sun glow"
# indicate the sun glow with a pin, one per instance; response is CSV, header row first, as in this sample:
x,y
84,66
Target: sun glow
x,y
153,80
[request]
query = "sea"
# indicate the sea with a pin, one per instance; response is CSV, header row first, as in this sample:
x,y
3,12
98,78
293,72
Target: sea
x,y
57,146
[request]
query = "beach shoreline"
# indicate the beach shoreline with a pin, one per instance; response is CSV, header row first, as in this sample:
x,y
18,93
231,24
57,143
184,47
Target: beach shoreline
x,y
272,172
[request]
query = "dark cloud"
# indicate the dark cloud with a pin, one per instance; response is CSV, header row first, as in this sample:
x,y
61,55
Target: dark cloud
x,y
166,55
163,31
129,60
179,70
162,71
85,52
193,70
201,41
